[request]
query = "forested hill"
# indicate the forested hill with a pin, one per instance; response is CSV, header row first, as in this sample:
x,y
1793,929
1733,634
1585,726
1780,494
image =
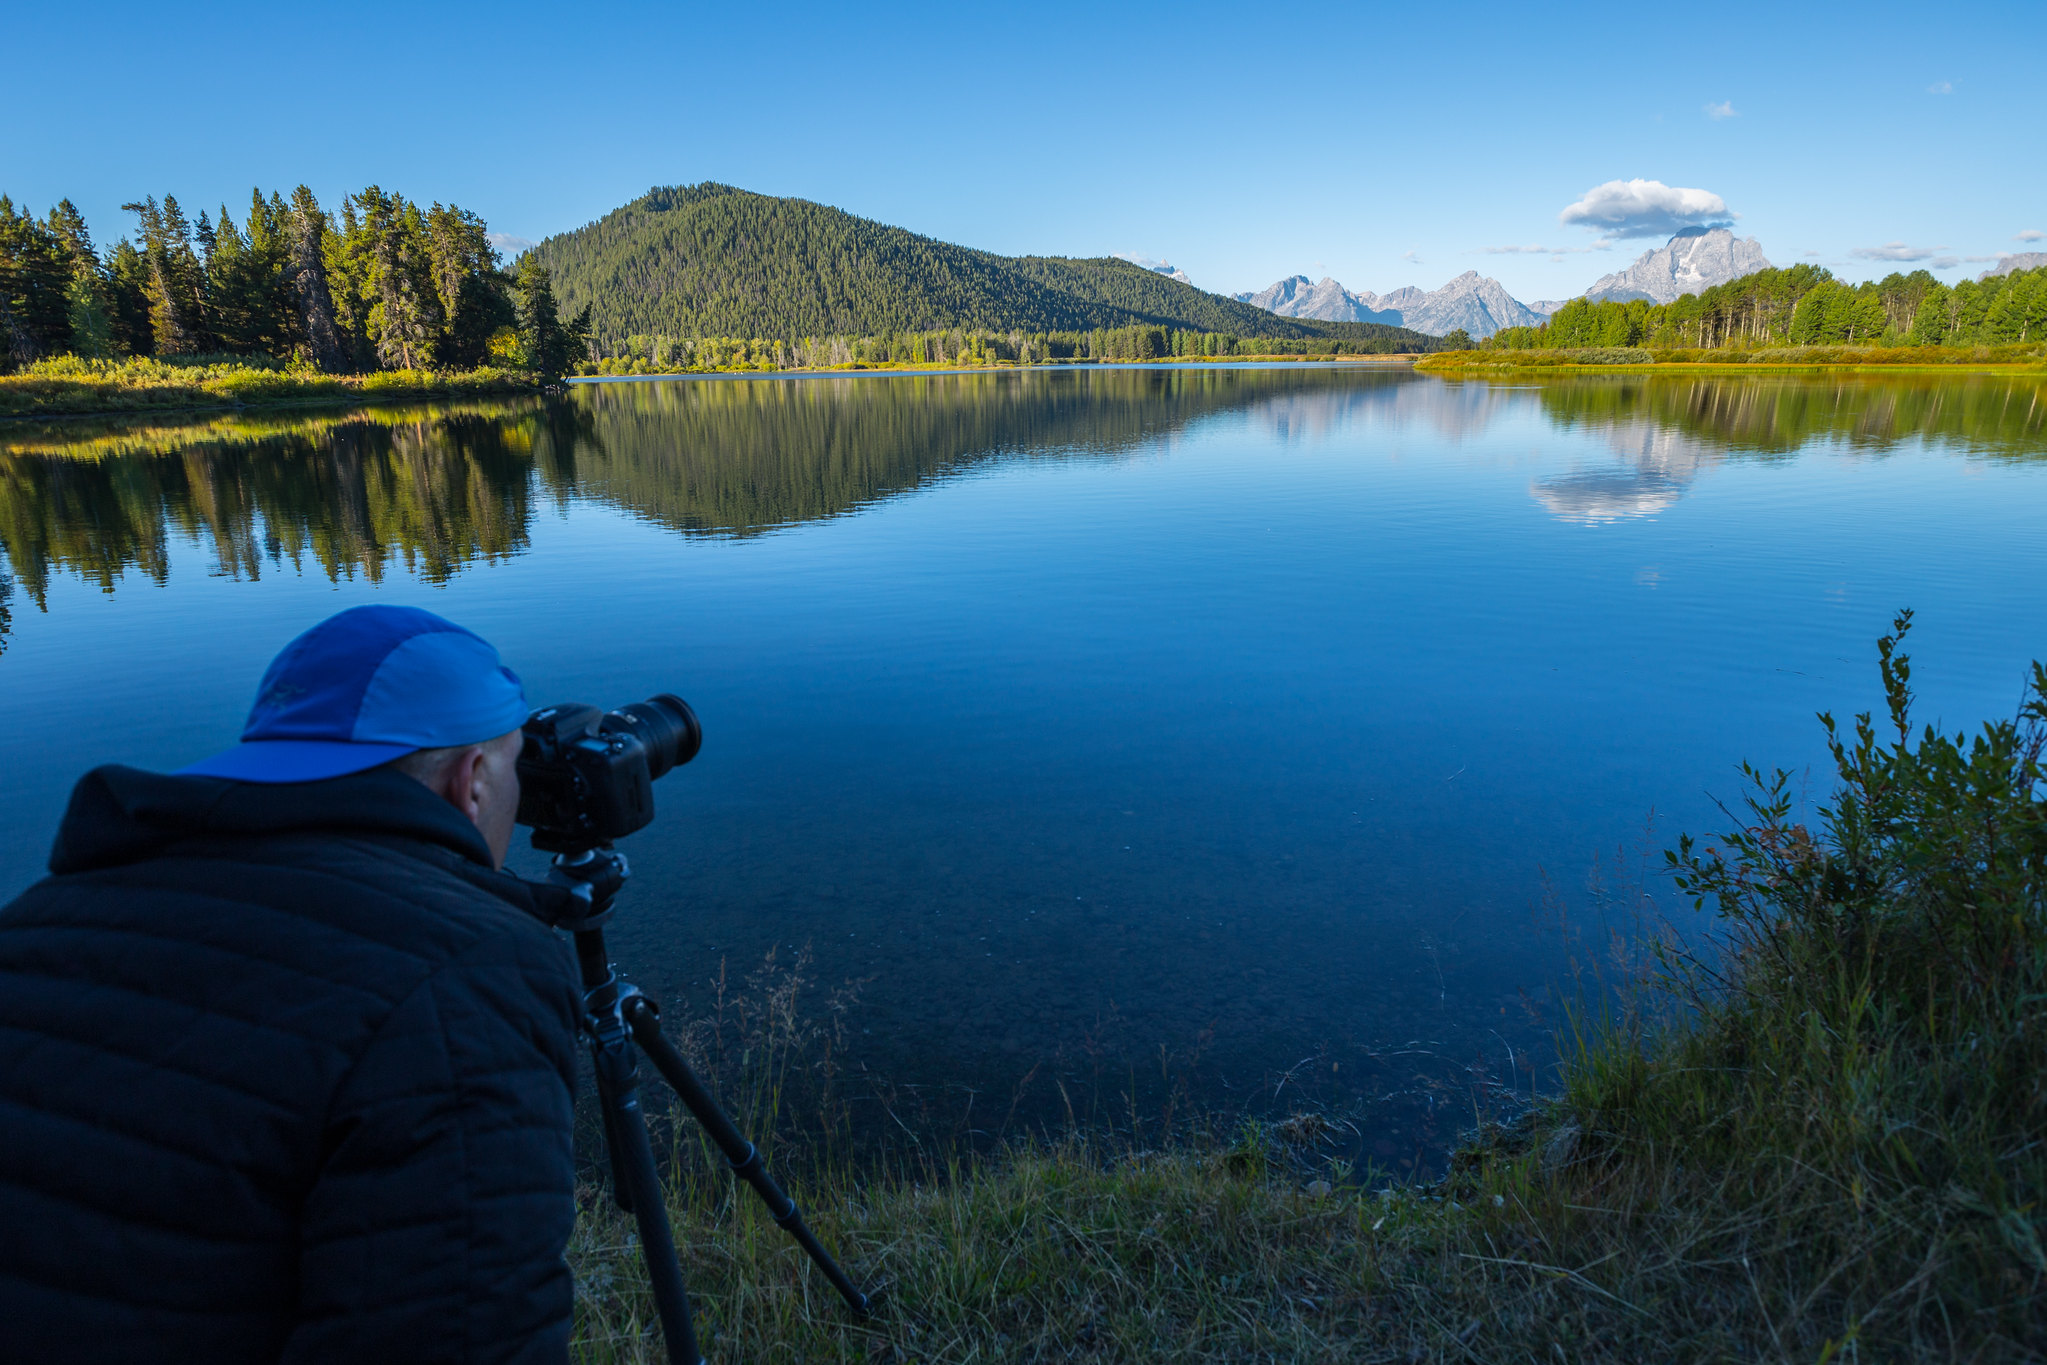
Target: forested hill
x,y
711,260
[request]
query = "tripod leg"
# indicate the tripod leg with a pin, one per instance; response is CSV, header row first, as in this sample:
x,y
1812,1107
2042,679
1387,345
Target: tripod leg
x,y
743,1156
639,1188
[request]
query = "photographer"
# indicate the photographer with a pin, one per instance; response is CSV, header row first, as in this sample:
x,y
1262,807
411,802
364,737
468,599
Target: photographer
x,y
285,1057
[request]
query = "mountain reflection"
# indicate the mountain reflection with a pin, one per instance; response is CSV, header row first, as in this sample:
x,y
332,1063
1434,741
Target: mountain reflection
x,y
435,489
742,458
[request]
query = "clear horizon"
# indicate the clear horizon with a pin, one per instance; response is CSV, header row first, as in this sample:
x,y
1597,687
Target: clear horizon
x,y
1381,150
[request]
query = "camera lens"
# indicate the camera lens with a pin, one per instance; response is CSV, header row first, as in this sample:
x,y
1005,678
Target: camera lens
x,y
665,725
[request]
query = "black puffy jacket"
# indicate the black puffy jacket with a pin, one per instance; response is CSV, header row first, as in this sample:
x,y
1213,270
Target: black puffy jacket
x,y
285,1075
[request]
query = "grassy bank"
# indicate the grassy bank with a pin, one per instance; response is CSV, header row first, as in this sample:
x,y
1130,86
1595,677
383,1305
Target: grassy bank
x,y
1825,1138
1783,359
68,386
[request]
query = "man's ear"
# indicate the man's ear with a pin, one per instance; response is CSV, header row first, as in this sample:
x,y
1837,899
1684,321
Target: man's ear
x,y
460,786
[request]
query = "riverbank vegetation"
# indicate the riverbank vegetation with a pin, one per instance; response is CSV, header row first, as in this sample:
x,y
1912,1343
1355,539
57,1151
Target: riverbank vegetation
x,y
270,309
965,347
1805,307
69,384
2030,355
1813,1136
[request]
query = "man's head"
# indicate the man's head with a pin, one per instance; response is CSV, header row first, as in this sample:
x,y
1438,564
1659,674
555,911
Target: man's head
x,y
389,685
480,780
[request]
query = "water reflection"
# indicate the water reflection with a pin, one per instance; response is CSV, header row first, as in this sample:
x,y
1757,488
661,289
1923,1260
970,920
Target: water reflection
x,y
1667,430
436,489
1656,466
1226,711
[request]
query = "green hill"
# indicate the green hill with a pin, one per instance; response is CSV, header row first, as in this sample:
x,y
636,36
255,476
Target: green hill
x,y
710,260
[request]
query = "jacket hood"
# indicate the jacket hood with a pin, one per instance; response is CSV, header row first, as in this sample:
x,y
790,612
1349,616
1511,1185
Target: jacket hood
x,y
123,815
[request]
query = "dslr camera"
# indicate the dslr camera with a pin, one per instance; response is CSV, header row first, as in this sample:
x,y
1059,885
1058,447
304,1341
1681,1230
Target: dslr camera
x,y
586,777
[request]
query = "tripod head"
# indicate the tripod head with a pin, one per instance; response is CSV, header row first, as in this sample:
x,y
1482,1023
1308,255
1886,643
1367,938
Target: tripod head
x,y
594,874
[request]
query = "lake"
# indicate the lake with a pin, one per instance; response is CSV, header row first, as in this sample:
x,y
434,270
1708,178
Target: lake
x,y
1226,737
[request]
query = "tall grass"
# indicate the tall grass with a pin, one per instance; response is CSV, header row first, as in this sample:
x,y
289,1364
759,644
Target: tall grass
x,y
1823,1138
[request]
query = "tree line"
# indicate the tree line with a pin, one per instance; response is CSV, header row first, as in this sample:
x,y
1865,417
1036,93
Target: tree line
x,y
659,353
1804,305
386,285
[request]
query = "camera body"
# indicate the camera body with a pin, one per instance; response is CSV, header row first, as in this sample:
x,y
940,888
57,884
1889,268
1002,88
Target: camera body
x,y
586,777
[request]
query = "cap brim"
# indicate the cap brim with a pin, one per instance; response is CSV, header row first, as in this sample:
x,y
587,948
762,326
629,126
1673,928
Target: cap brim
x,y
295,760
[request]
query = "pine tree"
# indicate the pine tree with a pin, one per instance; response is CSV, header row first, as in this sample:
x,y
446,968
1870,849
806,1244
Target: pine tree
x,y
404,315
86,301
472,289
128,300
174,279
35,272
548,347
306,272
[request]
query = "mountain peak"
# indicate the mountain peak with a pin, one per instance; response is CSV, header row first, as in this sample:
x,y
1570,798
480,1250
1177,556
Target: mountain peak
x,y
1477,303
1694,259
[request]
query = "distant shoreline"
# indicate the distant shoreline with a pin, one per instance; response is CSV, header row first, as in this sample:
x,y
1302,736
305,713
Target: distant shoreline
x,y
1773,360
1395,361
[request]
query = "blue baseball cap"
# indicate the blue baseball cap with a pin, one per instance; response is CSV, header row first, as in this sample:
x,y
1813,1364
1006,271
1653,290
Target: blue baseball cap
x,y
365,686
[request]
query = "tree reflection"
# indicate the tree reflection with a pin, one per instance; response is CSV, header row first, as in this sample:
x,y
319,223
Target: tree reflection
x,y
436,489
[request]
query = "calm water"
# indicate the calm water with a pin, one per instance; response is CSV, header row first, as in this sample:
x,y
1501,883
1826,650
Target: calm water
x,y
1079,715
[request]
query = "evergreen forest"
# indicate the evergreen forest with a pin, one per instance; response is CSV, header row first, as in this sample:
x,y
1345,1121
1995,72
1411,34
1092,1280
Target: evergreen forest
x,y
711,261
389,284
1804,305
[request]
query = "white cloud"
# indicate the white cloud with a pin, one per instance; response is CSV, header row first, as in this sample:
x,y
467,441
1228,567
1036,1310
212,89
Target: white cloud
x,y
1810,255
509,246
1532,249
1898,251
1724,109
1945,262
1645,208
1981,259
2029,235
1941,88
1413,256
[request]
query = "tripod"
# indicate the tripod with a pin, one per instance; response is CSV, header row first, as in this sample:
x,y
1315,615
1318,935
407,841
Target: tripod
x,y
615,1017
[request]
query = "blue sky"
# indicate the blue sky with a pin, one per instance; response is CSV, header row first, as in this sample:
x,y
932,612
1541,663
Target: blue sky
x,y
1382,144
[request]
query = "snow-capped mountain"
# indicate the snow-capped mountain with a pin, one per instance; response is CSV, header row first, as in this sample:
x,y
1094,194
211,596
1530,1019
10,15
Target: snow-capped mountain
x,y
1324,300
2023,260
1475,302
1695,259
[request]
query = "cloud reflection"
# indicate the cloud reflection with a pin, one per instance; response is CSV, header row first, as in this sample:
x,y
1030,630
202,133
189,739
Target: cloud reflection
x,y
1656,465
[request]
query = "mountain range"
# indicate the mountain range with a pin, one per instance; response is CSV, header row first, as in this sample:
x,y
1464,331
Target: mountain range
x,y
710,260
1477,303
1693,260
